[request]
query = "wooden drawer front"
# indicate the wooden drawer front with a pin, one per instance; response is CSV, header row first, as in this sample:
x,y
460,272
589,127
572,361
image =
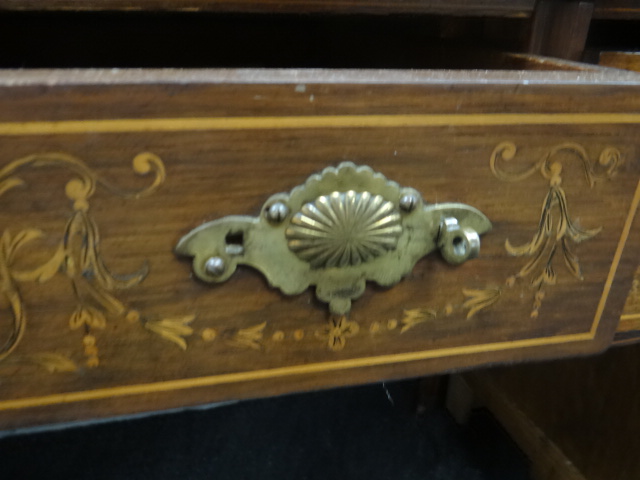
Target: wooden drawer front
x,y
100,317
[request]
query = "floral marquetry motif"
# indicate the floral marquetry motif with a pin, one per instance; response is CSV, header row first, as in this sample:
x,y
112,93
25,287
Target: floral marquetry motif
x,y
325,227
78,258
557,233
170,239
337,331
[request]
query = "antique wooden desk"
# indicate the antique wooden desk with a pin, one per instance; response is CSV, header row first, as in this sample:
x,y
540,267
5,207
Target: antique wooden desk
x,y
102,172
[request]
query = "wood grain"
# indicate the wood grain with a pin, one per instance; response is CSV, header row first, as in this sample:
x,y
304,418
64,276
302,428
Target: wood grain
x,y
560,29
591,416
626,60
230,139
548,461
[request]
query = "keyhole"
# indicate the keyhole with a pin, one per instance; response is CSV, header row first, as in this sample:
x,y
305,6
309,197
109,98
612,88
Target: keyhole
x,y
234,243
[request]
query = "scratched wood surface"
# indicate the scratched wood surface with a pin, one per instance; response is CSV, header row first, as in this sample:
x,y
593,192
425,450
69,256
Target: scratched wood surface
x,y
101,173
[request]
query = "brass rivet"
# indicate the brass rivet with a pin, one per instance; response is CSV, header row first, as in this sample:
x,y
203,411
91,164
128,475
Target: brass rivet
x,y
277,212
215,266
408,202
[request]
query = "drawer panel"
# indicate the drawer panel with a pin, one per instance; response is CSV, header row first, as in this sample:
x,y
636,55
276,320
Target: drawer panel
x,y
103,173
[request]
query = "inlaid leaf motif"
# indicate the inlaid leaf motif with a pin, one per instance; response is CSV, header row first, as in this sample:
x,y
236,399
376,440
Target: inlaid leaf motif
x,y
44,272
172,329
543,232
576,234
415,317
571,261
21,238
10,183
555,213
54,362
480,299
88,316
10,293
547,277
93,261
77,256
250,337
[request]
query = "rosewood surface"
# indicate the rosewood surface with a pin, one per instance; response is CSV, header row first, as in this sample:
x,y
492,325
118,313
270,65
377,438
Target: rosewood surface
x,y
100,318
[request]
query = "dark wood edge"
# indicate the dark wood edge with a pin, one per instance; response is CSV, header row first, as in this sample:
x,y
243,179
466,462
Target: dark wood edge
x,y
626,338
616,13
69,77
538,62
500,8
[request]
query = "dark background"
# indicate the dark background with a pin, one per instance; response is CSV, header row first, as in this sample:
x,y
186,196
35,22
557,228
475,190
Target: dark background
x,y
371,432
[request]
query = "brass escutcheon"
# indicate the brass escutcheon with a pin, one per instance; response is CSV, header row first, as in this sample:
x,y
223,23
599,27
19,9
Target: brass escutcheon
x,y
341,228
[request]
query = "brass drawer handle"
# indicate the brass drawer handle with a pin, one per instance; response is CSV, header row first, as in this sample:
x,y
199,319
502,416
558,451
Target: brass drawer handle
x,y
339,229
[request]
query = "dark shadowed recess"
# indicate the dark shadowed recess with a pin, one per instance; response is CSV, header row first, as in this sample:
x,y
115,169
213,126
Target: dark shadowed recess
x,y
370,432
147,39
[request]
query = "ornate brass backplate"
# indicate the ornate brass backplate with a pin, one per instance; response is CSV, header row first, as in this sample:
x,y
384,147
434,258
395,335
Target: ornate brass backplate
x,y
341,228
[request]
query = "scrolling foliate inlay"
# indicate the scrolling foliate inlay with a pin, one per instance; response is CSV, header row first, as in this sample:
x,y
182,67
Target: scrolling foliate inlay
x,y
557,233
556,236
78,258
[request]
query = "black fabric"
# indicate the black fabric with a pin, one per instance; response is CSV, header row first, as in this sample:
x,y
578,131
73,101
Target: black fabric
x,y
368,433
